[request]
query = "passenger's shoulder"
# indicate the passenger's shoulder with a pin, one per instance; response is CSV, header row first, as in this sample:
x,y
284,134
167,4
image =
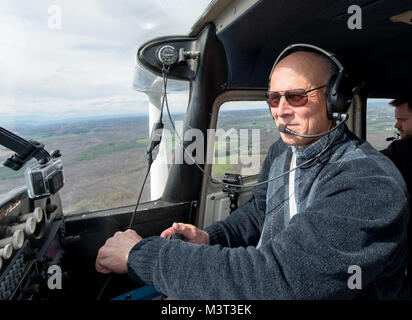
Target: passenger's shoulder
x,y
402,146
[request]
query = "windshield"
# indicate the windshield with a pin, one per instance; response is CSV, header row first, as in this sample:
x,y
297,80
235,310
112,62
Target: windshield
x,y
68,81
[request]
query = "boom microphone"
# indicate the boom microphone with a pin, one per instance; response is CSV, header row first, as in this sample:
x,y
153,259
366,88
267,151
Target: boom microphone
x,y
393,138
284,129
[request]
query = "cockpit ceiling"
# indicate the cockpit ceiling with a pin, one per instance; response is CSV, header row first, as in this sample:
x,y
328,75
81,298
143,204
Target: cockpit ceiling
x,y
379,54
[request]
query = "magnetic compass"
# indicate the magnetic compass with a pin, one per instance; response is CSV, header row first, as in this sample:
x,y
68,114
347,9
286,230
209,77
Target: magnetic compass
x,y
167,55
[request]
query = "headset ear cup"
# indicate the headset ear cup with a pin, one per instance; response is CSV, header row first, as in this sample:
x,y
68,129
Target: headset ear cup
x,y
330,99
341,101
344,96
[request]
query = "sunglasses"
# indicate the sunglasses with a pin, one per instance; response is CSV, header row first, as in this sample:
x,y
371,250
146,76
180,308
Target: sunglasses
x,y
295,97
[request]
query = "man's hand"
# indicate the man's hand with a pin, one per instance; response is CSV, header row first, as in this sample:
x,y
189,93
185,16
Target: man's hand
x,y
112,257
190,233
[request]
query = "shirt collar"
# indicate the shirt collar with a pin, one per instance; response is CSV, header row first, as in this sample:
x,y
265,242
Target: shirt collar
x,y
310,151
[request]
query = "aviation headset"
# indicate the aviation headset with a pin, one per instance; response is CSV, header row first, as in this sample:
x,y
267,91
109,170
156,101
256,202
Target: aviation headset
x,y
338,89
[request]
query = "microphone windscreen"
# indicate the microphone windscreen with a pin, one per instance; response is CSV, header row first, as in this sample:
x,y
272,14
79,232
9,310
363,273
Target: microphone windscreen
x,y
281,128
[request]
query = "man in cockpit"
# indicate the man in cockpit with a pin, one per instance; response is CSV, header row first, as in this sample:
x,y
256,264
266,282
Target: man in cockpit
x,y
400,152
332,226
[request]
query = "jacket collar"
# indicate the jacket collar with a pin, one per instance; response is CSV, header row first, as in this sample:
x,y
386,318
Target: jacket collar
x,y
310,151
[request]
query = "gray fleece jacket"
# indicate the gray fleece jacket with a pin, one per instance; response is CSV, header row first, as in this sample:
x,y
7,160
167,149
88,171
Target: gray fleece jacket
x,y
351,210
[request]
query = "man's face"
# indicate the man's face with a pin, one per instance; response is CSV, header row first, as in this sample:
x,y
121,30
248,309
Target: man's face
x,y
403,118
301,70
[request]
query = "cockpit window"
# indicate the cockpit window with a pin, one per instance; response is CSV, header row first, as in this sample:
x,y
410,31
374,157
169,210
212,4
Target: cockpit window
x,y
244,132
380,123
66,81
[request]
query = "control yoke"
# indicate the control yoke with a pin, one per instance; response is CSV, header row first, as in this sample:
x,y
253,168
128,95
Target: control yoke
x,y
44,177
25,150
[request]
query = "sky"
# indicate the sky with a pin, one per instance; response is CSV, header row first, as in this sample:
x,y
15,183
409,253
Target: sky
x,y
64,59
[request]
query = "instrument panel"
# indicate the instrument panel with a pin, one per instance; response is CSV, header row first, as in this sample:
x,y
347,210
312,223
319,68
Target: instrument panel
x,y
31,237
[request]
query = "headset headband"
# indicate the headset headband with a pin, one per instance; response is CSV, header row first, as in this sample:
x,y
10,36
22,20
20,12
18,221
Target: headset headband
x,y
312,48
338,88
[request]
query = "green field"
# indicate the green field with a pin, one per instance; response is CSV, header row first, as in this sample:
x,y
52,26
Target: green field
x,y
104,149
9,174
381,127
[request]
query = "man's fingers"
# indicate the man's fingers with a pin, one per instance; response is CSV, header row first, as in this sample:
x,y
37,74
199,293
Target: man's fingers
x,y
99,267
112,257
190,233
130,232
168,232
133,235
171,230
187,230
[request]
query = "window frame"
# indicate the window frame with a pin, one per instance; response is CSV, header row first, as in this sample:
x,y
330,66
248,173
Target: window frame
x,y
229,96
209,186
